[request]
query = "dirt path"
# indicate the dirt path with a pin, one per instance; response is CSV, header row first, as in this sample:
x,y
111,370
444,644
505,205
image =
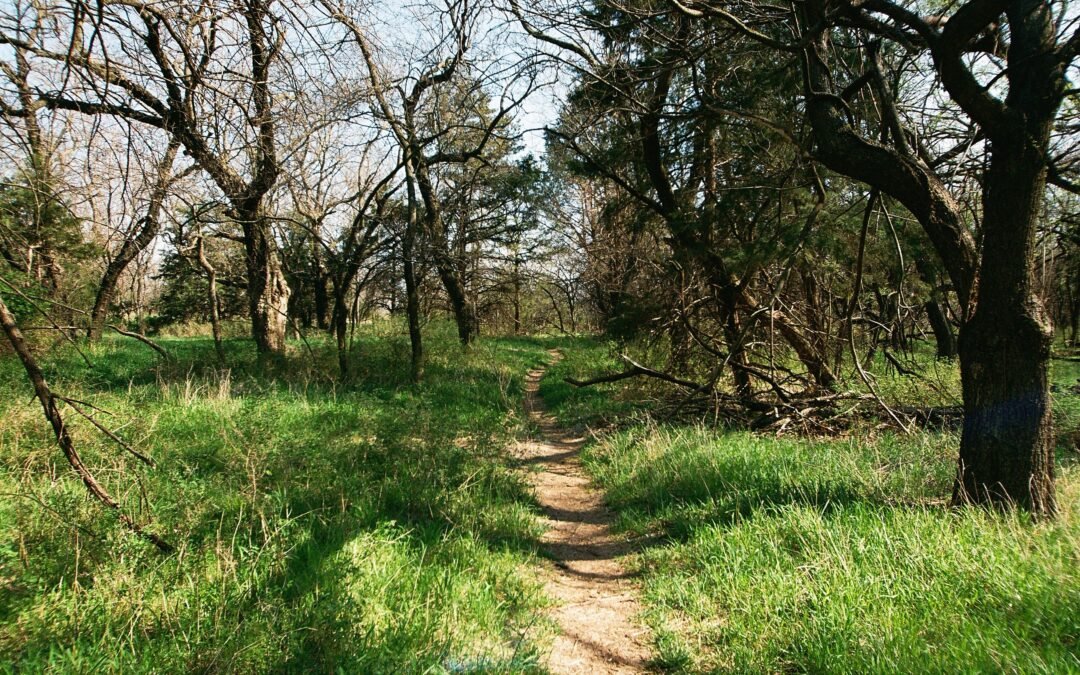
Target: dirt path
x,y
597,601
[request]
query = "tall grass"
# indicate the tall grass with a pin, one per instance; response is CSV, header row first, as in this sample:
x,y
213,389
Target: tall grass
x,y
766,555
371,526
763,554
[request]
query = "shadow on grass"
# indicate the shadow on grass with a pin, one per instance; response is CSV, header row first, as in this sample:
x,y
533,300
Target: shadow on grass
x,y
324,463
725,480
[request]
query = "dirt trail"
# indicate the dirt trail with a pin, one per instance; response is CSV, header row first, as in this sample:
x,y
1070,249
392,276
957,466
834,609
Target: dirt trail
x,y
597,601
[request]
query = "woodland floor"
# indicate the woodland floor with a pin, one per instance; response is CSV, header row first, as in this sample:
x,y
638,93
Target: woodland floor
x,y
597,608
377,526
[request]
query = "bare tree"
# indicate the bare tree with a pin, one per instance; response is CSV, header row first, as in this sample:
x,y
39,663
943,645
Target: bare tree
x,y
423,139
202,73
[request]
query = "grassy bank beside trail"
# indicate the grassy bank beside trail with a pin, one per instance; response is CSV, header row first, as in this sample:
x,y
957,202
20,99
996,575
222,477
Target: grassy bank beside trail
x,y
765,554
372,526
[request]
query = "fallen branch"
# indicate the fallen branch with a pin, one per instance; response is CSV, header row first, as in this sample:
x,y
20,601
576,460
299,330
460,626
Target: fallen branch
x,y
74,403
63,439
635,369
143,339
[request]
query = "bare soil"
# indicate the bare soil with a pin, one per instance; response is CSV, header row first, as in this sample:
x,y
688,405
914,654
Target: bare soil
x,y
596,599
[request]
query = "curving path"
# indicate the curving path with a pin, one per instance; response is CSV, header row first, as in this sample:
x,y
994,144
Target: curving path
x,y
596,600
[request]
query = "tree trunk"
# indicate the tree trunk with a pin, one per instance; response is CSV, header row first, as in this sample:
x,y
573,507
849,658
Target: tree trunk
x,y
1007,446
1074,310
412,290
733,335
1006,449
1074,325
816,363
211,292
517,295
340,320
322,299
449,266
268,291
463,309
133,246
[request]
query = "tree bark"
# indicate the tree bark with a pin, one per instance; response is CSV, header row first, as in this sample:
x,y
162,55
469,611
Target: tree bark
x,y
268,291
1006,449
412,290
340,320
460,303
322,298
212,296
943,333
1007,445
446,265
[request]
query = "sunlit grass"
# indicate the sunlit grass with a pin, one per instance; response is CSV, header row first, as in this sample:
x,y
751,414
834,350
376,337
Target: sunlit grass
x,y
769,555
364,526
765,554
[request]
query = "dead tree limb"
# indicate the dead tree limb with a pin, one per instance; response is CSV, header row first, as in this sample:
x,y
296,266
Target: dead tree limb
x,y
143,339
900,367
635,369
63,439
75,405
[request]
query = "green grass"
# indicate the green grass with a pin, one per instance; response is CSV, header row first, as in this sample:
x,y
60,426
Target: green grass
x,y
376,526
797,555
371,526
600,405
765,554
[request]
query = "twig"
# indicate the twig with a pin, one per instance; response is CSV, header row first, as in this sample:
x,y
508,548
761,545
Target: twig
x,y
116,439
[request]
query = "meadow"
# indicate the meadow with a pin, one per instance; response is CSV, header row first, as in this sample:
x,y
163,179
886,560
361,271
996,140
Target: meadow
x,y
370,526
